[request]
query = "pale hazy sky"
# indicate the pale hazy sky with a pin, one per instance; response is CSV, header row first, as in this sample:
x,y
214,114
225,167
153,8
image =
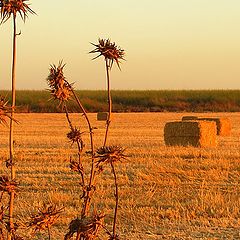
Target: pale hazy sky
x,y
169,44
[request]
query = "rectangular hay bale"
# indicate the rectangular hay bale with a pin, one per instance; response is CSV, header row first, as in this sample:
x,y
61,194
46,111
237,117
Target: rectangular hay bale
x,y
102,116
223,125
191,133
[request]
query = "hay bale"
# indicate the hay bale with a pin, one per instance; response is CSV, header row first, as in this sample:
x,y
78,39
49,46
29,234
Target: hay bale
x,y
223,125
102,116
191,133
187,118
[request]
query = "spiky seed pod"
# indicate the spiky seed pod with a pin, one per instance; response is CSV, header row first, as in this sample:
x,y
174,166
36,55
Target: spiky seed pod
x,y
75,136
88,227
7,185
12,7
45,218
60,89
110,154
109,50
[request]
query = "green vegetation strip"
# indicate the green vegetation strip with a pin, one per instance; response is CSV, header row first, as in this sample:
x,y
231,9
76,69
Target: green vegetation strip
x,y
135,101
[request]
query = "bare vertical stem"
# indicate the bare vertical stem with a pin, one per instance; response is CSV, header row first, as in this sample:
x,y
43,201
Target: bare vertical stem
x,y
49,233
116,199
109,103
13,99
78,144
11,153
87,200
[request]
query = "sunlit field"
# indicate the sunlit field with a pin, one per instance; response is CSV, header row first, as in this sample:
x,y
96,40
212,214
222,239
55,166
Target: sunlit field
x,y
165,192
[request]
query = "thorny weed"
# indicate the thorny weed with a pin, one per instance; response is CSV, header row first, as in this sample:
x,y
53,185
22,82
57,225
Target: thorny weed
x,y
109,154
7,185
111,53
89,222
58,86
44,219
60,89
10,8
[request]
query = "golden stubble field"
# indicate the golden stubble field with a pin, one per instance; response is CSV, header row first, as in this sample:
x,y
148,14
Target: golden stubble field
x,y
165,192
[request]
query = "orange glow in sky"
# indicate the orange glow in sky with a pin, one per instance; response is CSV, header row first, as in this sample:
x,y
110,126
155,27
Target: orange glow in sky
x,y
169,44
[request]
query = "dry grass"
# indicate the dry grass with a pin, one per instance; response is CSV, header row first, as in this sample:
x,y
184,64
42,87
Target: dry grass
x,y
165,192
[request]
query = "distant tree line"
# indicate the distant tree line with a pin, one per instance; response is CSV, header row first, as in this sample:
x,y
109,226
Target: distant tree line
x,y
135,101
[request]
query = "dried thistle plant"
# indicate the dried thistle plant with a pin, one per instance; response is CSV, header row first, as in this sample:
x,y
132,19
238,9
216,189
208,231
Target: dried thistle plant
x,y
109,50
12,7
75,136
111,53
44,219
110,154
88,224
62,90
59,87
7,185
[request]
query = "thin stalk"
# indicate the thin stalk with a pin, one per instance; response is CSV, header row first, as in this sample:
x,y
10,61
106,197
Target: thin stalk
x,y
11,153
109,103
13,99
78,144
116,200
49,233
67,116
91,180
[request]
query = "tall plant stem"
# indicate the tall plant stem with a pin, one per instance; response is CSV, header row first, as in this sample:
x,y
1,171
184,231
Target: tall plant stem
x,y
11,150
49,233
78,144
11,153
116,201
109,103
87,200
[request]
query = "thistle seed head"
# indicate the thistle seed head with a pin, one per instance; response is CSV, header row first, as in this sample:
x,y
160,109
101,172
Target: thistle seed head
x,y
12,7
75,136
7,185
110,51
45,218
60,89
110,154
